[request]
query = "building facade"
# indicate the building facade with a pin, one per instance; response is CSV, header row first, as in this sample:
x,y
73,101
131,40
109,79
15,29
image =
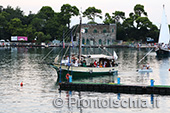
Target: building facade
x,y
98,34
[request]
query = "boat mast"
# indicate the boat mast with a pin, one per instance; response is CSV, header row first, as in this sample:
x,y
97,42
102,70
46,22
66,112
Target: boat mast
x,y
80,40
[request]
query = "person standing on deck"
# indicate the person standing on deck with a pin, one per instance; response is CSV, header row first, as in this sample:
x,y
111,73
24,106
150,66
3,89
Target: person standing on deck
x,y
104,65
147,66
76,63
84,63
95,63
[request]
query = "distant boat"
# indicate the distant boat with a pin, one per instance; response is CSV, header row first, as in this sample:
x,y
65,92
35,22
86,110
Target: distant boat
x,y
164,37
145,70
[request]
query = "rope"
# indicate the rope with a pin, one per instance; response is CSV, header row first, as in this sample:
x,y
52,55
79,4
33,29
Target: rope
x,y
46,55
65,52
145,55
61,49
103,49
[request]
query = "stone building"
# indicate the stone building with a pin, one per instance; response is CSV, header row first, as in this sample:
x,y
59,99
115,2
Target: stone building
x,y
98,34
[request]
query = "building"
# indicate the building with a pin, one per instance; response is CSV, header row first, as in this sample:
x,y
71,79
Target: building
x,y
98,34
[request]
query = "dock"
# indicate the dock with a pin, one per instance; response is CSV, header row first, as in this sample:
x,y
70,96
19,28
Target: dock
x,y
115,88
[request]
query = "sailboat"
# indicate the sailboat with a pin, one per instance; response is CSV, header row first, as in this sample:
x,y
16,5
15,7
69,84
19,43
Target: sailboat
x,y
164,37
85,66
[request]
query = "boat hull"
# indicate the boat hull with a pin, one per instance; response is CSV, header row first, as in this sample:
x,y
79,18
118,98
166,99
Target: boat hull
x,y
144,70
162,52
83,72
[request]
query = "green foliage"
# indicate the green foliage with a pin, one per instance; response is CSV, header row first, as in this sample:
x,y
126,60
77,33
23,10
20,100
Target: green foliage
x,y
117,15
15,27
108,19
67,11
92,12
139,10
45,13
30,32
47,24
136,27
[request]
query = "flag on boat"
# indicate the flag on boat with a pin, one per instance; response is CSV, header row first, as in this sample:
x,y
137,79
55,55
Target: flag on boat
x,y
56,59
63,44
115,55
72,44
83,30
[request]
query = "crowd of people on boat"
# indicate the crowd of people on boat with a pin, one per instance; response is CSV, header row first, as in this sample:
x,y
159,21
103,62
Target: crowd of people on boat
x,y
145,66
162,45
104,63
99,64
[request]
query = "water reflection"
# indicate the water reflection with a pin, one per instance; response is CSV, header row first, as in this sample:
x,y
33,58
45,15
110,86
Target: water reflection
x,y
39,90
164,71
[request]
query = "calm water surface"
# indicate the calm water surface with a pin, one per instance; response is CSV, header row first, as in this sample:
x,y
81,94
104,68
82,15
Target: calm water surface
x,y
36,96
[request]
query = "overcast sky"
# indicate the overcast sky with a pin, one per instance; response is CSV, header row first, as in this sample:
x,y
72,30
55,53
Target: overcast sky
x,y
152,7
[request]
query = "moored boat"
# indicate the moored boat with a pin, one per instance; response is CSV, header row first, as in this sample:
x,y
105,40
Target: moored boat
x,y
85,66
163,48
79,72
145,70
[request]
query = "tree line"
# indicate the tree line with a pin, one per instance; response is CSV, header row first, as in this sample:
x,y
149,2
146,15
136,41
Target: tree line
x,y
47,24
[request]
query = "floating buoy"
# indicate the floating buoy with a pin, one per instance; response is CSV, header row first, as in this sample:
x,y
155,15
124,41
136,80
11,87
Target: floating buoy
x,y
21,84
169,69
67,76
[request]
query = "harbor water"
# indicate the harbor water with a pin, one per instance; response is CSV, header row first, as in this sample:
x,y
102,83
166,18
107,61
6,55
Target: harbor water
x,y
40,89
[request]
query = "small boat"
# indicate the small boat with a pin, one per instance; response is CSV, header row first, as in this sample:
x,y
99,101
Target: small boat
x,y
145,70
164,37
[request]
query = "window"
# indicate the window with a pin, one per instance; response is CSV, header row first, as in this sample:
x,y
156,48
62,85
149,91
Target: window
x,y
100,42
108,42
112,30
104,31
87,42
94,31
83,41
86,30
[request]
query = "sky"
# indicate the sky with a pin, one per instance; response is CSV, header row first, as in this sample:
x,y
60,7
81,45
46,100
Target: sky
x,y
152,7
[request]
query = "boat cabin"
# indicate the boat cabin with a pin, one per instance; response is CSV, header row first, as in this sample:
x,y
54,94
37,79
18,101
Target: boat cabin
x,y
99,60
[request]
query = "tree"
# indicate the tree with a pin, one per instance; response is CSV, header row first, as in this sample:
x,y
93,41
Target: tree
x,y
143,22
3,21
38,24
139,10
28,19
40,37
108,19
14,13
16,28
45,13
30,33
1,8
3,24
52,27
91,13
128,23
117,15
67,11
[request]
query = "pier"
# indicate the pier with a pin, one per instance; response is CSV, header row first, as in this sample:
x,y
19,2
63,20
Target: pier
x,y
115,88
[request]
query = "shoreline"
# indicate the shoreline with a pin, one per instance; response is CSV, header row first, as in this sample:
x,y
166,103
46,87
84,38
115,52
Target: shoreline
x,y
110,46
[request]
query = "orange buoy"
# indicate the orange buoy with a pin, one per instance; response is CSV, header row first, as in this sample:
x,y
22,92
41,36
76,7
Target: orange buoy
x,y
67,76
21,84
